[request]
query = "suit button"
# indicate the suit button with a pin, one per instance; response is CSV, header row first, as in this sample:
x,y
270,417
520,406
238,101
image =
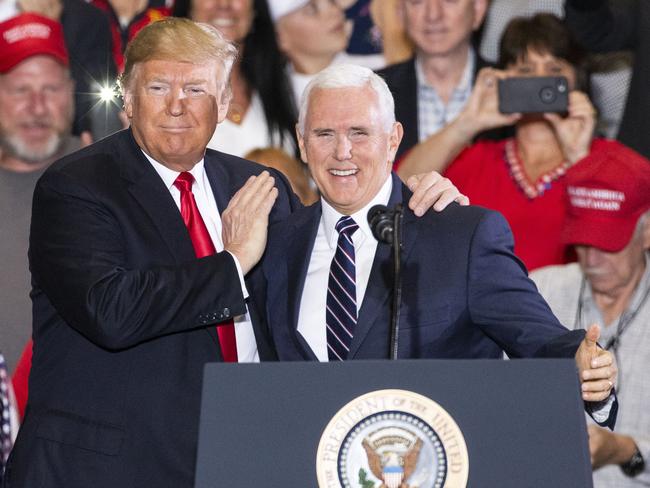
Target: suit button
x,y
226,312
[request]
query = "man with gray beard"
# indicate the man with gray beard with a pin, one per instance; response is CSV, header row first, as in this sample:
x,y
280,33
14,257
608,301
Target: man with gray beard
x,y
36,113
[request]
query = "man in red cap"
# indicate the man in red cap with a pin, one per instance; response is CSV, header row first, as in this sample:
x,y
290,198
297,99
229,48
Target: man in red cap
x,y
36,106
36,111
608,224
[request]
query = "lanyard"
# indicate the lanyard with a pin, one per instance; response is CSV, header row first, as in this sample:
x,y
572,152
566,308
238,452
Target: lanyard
x,y
624,320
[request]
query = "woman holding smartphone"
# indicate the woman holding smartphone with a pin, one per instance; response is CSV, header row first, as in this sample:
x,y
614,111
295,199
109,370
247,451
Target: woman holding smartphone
x,y
521,176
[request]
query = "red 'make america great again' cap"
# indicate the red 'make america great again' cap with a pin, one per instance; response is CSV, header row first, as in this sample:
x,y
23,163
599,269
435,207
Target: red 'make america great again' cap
x,y
605,199
27,35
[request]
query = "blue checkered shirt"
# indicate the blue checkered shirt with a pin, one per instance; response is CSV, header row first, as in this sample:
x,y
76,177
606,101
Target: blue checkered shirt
x,y
433,114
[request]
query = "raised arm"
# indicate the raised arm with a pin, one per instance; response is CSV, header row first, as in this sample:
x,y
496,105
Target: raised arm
x,y
481,113
82,249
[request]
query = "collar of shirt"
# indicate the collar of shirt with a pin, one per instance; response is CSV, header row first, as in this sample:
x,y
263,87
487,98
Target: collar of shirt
x,y
169,175
464,85
331,216
312,317
433,114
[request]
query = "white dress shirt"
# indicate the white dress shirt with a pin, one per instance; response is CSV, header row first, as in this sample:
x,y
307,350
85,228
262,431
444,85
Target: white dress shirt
x,y
245,337
312,314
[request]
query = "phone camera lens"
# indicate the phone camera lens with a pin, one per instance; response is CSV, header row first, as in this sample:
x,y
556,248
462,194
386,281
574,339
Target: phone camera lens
x,y
547,94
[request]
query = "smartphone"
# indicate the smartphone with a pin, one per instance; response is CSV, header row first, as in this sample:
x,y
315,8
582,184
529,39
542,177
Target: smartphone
x,y
533,94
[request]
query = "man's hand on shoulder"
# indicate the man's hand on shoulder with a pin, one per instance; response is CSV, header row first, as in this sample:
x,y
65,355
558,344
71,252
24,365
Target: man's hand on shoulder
x,y
432,190
596,367
245,220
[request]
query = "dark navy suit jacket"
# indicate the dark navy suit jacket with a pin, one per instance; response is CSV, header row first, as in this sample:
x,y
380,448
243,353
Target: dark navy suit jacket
x,y
124,319
465,294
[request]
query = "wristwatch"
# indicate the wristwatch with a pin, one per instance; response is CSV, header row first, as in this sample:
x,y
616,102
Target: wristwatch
x,y
634,466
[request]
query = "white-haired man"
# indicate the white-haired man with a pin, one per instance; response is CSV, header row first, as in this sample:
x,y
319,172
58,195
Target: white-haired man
x,y
327,289
608,223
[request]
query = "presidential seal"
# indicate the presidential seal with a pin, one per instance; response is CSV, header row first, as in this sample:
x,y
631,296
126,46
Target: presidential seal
x,y
392,439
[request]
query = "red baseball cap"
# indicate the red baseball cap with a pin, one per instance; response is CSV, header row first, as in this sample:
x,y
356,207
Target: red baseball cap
x,y
27,35
605,198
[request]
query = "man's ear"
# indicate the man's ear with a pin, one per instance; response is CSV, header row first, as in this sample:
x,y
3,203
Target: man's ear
x,y
301,145
128,103
223,104
645,230
394,139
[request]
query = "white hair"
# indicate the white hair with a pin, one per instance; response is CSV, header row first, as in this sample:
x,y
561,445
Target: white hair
x,y
644,219
350,76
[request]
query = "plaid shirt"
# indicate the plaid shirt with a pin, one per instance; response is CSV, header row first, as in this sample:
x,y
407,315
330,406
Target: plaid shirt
x,y
433,114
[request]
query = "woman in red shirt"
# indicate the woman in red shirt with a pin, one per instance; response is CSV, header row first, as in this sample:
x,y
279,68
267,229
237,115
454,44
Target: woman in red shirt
x,y
521,176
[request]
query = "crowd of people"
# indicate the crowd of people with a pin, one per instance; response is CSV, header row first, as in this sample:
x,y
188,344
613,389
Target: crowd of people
x,y
119,260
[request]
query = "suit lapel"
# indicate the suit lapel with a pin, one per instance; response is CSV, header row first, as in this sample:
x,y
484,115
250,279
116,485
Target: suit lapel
x,y
406,106
219,181
298,256
303,231
376,305
150,192
148,189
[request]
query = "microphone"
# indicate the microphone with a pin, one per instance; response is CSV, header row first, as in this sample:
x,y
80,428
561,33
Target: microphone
x,y
386,226
381,220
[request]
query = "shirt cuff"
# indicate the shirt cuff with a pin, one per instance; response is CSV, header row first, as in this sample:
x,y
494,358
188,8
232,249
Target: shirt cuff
x,y
244,291
600,410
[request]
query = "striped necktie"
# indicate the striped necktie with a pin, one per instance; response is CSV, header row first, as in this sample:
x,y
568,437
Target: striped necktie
x,y
341,316
203,246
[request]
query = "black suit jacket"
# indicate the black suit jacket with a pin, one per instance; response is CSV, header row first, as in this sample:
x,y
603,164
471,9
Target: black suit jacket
x,y
602,26
124,319
402,81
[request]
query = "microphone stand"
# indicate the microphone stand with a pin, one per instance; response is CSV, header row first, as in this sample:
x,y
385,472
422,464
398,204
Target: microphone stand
x,y
397,280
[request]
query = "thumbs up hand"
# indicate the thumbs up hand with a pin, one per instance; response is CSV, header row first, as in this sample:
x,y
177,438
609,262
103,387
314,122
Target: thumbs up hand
x,y
596,367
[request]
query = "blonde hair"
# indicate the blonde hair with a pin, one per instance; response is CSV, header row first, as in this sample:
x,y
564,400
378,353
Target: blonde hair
x,y
182,40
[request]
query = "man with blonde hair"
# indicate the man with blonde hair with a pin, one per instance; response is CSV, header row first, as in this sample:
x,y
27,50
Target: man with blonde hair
x,y
137,262
132,294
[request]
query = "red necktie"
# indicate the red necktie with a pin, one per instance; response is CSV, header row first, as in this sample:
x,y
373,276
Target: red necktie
x,y
203,246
